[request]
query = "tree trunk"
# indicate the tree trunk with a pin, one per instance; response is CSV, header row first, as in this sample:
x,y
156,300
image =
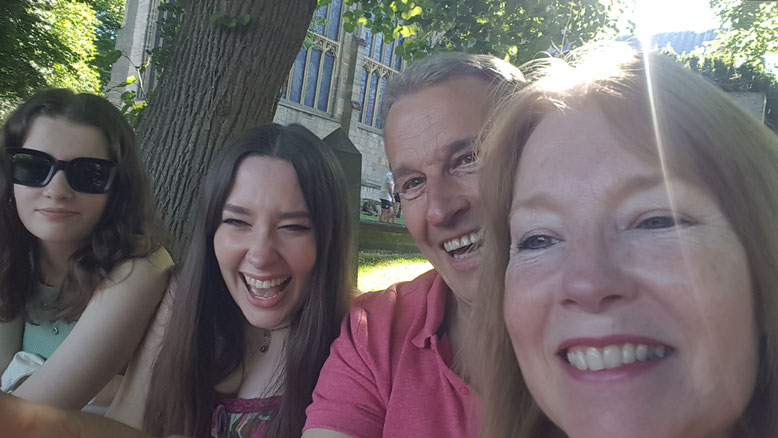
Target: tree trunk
x,y
219,81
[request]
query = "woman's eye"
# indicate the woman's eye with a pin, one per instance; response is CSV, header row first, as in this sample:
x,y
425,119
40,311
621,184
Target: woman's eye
x,y
539,241
662,222
296,227
234,222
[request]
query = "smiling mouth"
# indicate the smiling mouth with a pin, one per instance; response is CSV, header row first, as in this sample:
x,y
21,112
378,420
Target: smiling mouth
x,y
266,289
613,356
463,246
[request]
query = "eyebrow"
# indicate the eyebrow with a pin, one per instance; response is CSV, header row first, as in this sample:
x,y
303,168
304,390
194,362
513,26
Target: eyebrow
x,y
296,215
636,184
449,149
237,209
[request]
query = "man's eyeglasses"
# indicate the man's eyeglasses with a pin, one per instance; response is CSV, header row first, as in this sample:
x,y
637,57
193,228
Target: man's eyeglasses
x,y
34,168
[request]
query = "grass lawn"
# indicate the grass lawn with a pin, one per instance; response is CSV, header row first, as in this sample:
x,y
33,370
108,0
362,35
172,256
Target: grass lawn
x,y
365,217
380,269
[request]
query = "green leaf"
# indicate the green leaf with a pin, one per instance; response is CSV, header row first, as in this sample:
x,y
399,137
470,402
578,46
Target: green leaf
x,y
128,96
244,19
216,19
112,56
348,26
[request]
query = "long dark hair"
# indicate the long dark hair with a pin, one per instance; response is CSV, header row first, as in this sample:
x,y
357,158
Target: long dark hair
x,y
124,231
205,340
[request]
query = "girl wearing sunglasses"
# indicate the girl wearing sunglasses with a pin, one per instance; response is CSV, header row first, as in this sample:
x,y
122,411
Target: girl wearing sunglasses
x,y
81,272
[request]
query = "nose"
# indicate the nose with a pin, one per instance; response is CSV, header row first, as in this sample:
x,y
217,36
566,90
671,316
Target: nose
x,y
595,277
58,187
445,201
262,252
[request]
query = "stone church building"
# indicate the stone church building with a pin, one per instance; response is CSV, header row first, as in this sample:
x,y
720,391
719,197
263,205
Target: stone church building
x,y
337,81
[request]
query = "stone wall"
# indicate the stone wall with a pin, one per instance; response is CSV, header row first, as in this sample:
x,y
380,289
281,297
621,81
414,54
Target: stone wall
x,y
370,143
318,122
137,35
755,103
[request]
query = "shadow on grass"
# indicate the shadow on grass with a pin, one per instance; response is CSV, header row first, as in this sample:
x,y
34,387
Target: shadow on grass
x,y
366,217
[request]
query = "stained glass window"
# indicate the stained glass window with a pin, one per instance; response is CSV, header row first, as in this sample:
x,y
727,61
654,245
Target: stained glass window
x,y
310,81
381,62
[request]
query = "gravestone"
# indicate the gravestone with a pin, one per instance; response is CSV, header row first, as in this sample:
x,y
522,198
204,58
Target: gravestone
x,y
755,103
350,160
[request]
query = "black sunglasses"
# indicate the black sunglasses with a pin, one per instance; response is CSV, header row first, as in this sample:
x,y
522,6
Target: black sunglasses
x,y
34,168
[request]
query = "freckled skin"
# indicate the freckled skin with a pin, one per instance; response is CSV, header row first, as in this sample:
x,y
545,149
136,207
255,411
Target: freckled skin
x,y
608,270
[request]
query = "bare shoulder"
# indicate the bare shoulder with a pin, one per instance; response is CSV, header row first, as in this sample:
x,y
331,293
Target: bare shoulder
x,y
107,334
149,274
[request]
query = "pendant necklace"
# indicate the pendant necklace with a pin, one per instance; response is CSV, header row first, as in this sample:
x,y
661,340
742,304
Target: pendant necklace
x,y
265,341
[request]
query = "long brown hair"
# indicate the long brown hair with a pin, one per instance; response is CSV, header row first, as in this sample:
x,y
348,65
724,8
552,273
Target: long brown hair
x,y
707,137
124,231
205,340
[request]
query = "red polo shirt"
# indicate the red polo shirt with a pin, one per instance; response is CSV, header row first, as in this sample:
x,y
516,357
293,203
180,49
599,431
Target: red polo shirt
x,y
388,372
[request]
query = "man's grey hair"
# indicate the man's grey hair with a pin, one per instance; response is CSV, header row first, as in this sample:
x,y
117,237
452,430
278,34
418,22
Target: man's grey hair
x,y
435,69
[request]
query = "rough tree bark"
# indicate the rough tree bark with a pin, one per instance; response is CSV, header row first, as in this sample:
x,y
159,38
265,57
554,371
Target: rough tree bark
x,y
219,81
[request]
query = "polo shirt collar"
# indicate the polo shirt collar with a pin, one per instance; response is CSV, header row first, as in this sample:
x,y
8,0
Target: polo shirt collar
x,y
430,316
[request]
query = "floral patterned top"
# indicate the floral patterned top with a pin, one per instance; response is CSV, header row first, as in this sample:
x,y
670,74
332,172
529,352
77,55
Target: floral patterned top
x,y
243,418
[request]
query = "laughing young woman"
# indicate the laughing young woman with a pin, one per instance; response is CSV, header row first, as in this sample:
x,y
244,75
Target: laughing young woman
x,y
238,349
80,272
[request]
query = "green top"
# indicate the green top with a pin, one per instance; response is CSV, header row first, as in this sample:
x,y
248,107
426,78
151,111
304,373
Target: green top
x,y
44,337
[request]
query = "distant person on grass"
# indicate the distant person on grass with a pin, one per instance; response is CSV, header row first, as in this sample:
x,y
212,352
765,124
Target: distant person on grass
x,y
395,369
396,206
387,191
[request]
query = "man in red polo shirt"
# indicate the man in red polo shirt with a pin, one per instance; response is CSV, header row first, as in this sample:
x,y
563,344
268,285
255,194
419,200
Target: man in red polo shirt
x,y
395,370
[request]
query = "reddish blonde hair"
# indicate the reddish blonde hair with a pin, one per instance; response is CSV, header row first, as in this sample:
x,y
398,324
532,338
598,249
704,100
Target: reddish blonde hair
x,y
707,137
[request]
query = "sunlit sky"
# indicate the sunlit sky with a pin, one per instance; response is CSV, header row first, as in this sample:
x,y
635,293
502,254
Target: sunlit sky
x,y
657,16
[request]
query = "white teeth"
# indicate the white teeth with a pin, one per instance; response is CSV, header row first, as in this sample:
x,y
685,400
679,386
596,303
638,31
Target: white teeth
x,y
469,253
611,355
452,244
264,284
628,353
594,359
580,359
641,352
462,241
614,356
